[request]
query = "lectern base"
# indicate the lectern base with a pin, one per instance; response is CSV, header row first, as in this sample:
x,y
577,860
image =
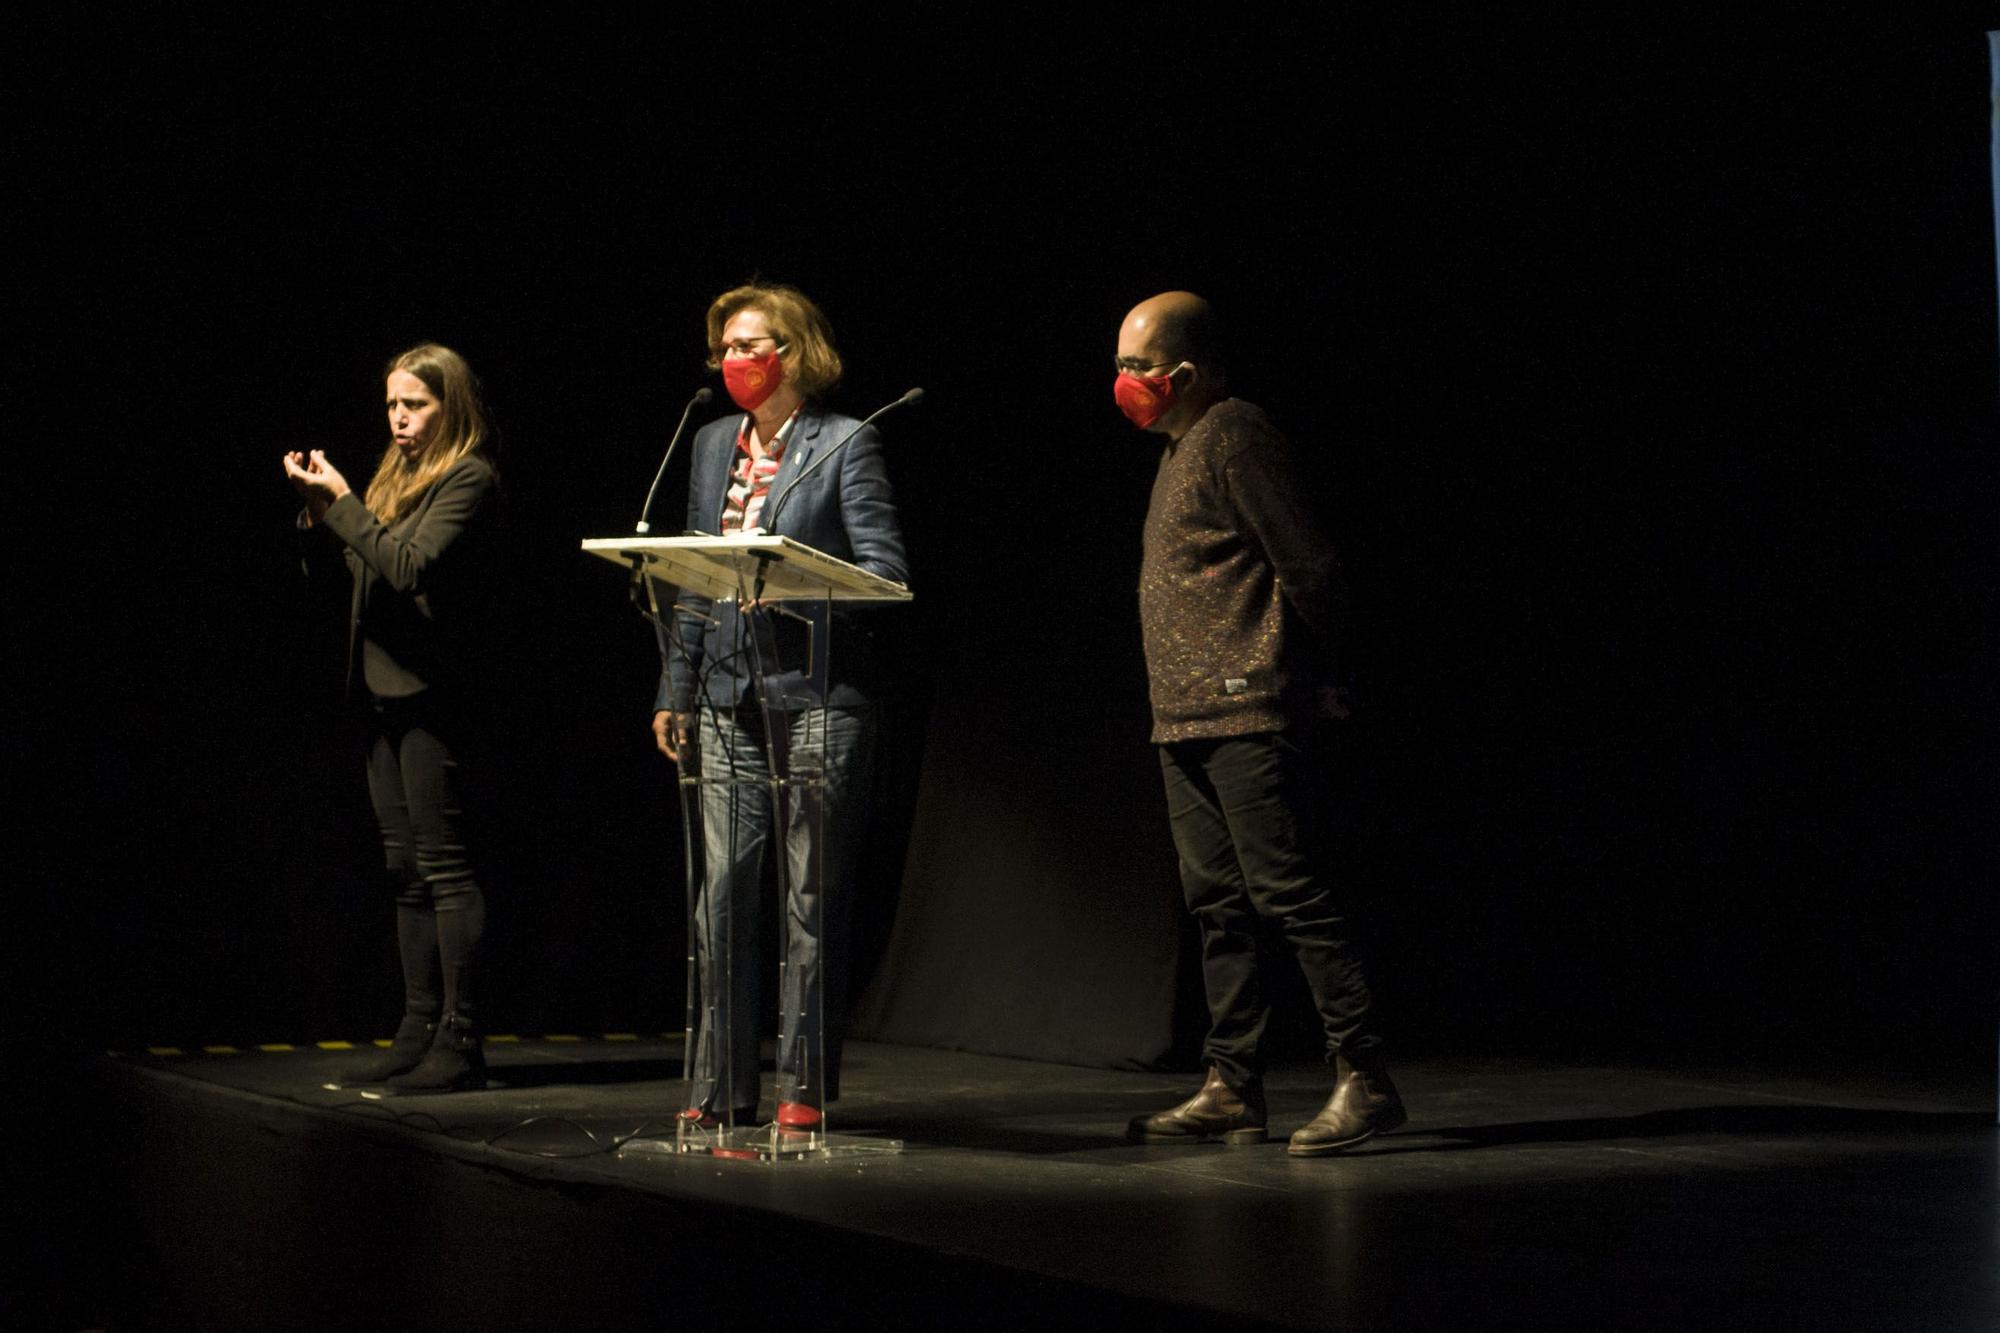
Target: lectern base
x,y
762,1143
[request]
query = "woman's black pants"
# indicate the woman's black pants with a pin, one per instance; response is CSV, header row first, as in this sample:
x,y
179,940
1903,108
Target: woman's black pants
x,y
415,785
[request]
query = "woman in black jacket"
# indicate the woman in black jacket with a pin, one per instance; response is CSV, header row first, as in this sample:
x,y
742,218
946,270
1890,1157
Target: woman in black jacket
x,y
411,545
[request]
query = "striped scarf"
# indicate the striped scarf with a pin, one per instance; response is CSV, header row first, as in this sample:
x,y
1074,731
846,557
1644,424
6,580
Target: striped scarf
x,y
750,478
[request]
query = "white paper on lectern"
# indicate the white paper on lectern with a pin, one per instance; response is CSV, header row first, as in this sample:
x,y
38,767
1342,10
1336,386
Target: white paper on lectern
x,y
715,567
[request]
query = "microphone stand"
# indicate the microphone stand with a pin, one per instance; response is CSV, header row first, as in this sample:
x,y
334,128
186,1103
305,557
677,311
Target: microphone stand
x,y
770,518
642,527
701,395
770,522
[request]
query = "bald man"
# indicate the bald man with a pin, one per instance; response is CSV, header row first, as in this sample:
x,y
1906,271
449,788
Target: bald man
x,y
1240,601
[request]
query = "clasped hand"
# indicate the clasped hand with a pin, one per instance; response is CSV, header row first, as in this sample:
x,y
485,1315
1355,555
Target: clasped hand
x,y
317,481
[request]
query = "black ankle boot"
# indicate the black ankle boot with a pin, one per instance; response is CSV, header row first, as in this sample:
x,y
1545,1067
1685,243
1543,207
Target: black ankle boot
x,y
456,1062
414,1036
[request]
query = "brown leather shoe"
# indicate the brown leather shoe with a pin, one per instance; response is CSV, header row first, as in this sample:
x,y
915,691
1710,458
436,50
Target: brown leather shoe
x,y
1364,1103
1219,1111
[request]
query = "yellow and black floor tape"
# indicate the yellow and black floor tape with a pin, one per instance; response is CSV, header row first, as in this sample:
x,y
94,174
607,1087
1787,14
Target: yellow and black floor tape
x,y
289,1048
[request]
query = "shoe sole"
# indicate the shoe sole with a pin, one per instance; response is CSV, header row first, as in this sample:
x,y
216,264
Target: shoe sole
x,y
1235,1138
1329,1149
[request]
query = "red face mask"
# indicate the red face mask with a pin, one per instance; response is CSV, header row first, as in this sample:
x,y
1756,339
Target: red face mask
x,y
1144,399
752,379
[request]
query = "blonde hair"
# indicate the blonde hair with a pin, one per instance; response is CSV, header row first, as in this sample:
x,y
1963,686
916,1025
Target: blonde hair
x,y
805,339
461,428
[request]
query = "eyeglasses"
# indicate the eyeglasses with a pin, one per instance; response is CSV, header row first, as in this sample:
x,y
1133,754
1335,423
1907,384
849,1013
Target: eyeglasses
x,y
1132,365
747,346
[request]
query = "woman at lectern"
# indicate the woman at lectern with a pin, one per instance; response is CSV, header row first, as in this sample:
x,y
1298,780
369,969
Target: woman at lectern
x,y
413,545
781,465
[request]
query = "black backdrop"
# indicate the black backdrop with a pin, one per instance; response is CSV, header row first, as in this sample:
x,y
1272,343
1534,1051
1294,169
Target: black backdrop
x,y
1652,368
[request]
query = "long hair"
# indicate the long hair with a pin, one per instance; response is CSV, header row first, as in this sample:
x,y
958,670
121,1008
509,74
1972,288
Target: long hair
x,y
461,428
804,336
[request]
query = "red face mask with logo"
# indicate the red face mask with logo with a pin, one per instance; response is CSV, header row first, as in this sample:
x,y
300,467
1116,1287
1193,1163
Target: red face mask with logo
x,y
752,379
1144,399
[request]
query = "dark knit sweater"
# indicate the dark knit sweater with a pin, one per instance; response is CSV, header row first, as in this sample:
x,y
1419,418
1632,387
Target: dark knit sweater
x,y
1240,593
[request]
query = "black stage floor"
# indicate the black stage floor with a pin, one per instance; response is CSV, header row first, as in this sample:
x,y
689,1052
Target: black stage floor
x,y
234,1190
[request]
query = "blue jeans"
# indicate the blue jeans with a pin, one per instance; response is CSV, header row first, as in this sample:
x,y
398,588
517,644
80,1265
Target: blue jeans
x,y
740,806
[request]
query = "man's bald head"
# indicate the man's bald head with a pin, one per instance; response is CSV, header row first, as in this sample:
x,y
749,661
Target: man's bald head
x,y
1174,326
1176,335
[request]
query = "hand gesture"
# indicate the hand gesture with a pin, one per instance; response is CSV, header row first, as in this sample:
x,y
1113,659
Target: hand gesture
x,y
317,481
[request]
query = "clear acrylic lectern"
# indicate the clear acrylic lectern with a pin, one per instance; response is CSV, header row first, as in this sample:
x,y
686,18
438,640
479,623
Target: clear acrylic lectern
x,y
787,635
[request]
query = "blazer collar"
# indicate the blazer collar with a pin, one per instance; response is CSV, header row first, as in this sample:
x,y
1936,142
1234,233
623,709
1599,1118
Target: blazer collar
x,y
804,443
799,451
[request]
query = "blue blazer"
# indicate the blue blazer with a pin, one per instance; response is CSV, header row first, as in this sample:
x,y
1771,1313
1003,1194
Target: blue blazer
x,y
845,508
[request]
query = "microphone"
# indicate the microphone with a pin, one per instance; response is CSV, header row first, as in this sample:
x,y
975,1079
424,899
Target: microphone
x,y
770,517
701,396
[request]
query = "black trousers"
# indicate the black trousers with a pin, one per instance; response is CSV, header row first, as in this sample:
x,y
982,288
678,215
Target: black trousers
x,y
416,787
1246,824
